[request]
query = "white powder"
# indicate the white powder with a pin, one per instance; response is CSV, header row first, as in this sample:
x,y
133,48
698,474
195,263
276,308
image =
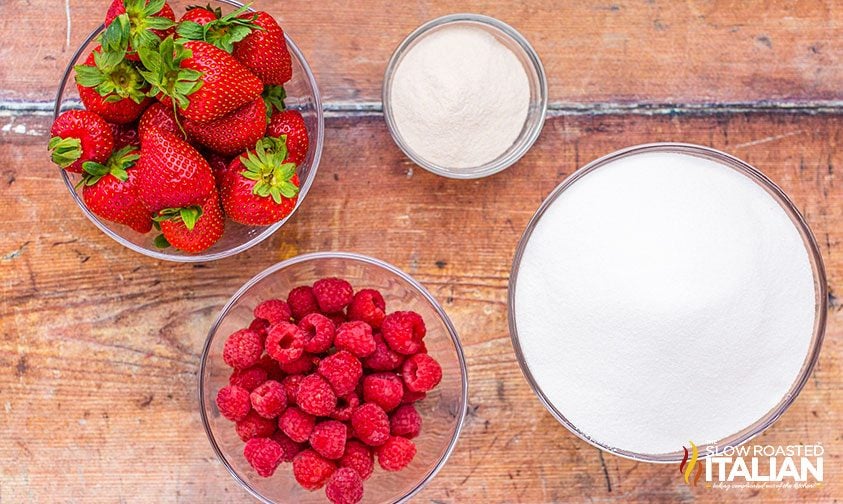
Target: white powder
x,y
664,298
460,97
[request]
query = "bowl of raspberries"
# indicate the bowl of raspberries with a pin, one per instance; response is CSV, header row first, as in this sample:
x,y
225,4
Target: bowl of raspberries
x,y
187,132
333,377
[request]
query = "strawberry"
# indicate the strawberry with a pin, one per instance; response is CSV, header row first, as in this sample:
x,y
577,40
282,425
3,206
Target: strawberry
x,y
209,25
141,23
203,81
170,173
259,188
124,135
264,52
109,190
111,86
233,133
159,117
290,125
79,136
196,234
219,164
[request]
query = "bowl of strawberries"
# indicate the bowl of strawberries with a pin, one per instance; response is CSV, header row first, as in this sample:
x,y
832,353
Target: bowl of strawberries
x,y
187,133
333,377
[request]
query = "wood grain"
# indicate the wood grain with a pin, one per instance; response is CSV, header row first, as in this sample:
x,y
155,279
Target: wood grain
x,y
610,52
99,346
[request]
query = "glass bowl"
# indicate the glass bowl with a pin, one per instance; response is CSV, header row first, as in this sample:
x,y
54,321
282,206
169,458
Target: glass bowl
x,y
525,53
820,292
443,410
302,95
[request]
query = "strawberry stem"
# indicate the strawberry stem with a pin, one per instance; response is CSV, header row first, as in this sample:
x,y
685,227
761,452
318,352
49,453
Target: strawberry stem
x,y
265,165
165,75
65,151
223,32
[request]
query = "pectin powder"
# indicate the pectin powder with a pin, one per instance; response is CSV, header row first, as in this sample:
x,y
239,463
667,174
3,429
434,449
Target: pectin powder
x,y
459,97
664,298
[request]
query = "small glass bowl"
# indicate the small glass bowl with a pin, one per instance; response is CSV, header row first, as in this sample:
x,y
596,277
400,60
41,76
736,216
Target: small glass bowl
x,y
525,53
302,95
443,410
820,290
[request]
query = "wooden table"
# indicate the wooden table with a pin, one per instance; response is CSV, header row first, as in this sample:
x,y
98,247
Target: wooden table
x,y
100,346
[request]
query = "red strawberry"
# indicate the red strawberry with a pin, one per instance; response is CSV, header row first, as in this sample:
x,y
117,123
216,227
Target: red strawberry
x,y
161,118
205,82
109,190
78,136
124,135
264,52
260,188
233,133
208,24
171,174
219,164
290,124
111,87
196,236
143,23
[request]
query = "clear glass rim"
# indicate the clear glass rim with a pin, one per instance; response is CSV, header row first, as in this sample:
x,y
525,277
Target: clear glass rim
x,y
524,142
266,233
348,256
820,288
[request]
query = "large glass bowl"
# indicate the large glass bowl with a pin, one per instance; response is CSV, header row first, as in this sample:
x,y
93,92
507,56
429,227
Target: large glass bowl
x,y
443,410
820,296
302,95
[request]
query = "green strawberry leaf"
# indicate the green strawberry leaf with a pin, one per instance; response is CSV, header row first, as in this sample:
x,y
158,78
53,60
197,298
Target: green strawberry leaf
x,y
161,242
88,76
191,30
273,97
65,151
189,216
164,73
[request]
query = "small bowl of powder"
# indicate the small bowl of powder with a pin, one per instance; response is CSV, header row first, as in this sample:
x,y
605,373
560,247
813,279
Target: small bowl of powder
x,y
465,96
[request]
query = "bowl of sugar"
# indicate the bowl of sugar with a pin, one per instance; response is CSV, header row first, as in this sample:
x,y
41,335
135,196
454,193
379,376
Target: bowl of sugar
x,y
465,96
664,295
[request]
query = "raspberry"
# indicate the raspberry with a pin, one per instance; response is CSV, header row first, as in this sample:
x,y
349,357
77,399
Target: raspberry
x,y
302,302
264,455
405,422
410,397
370,424
383,358
254,426
273,311
396,453
296,424
356,337
328,439
342,370
288,446
346,404
421,373
291,387
269,399
233,402
344,487
301,365
260,326
333,294
270,365
284,342
384,389
403,332
242,349
318,331
315,396
312,470
358,457
368,305
248,378
338,318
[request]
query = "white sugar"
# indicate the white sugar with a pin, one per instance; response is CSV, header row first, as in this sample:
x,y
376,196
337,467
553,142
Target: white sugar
x,y
664,298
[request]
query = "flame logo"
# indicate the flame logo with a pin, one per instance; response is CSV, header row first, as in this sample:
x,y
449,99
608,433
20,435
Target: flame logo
x,y
686,467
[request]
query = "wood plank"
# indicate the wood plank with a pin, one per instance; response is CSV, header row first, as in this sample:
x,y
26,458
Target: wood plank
x,y
595,52
99,348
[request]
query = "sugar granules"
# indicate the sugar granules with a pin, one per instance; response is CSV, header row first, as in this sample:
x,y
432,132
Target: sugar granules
x,y
664,298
